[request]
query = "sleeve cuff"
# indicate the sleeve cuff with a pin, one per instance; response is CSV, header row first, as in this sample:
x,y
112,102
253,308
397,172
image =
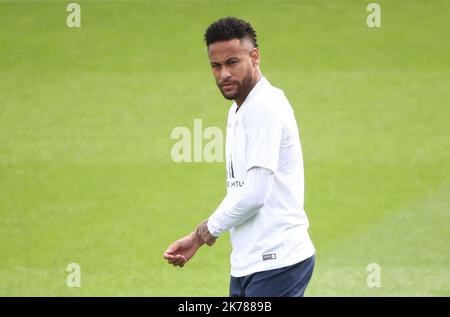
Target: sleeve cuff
x,y
213,228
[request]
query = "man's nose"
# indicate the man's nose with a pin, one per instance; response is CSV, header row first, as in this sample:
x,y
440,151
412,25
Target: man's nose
x,y
225,73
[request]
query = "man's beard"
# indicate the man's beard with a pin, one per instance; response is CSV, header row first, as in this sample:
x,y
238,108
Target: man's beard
x,y
242,88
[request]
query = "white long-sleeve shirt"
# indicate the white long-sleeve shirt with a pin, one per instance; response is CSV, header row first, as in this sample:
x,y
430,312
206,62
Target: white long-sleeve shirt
x,y
263,208
236,209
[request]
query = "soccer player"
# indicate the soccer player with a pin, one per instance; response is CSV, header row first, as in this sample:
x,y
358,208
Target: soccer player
x,y
263,209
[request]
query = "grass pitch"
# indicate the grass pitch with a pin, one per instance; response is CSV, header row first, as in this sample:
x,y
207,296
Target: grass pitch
x,y
86,114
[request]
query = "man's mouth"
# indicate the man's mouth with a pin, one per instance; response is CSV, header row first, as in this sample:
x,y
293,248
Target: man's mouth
x,y
227,86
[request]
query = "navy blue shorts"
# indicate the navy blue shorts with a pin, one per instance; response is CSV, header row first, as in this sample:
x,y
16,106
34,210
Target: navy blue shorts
x,y
289,281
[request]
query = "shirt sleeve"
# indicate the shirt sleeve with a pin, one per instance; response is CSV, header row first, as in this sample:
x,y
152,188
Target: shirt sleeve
x,y
236,209
263,138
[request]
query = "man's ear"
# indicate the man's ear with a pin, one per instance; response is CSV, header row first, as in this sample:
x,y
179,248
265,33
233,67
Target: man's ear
x,y
255,56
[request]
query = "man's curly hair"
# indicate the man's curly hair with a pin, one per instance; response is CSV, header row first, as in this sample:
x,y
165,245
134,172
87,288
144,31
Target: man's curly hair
x,y
230,28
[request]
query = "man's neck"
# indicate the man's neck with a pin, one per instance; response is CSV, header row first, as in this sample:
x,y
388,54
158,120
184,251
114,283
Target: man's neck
x,y
240,101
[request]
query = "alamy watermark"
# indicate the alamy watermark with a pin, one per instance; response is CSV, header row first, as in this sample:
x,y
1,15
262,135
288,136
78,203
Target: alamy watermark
x,y
73,19
374,276
374,18
190,147
74,277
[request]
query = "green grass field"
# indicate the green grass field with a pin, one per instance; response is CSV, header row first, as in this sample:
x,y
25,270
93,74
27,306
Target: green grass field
x,y
86,114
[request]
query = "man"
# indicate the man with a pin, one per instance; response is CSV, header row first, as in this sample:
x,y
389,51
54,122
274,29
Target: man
x,y
263,209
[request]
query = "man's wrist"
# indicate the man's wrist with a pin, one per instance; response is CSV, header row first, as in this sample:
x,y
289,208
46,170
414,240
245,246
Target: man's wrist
x,y
203,233
196,237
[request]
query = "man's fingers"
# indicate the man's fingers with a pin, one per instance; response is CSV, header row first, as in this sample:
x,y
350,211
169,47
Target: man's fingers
x,y
183,261
172,248
177,259
171,260
178,263
180,259
167,255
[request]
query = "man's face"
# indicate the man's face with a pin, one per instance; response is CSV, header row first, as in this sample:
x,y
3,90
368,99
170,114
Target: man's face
x,y
234,65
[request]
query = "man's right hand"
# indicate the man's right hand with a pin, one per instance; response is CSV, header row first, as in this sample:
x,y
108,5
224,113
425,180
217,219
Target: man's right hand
x,y
182,250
